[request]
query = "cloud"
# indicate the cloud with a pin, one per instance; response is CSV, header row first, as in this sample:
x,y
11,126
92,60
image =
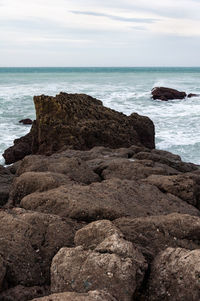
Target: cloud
x,y
114,17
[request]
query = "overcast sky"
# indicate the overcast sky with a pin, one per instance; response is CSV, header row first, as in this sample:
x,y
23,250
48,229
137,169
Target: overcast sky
x,y
99,33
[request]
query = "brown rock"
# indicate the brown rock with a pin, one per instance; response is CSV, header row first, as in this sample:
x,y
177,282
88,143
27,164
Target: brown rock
x,y
22,293
109,199
75,168
154,234
175,276
6,179
182,186
95,233
82,122
165,94
2,272
70,296
160,157
76,269
29,240
30,182
20,149
26,121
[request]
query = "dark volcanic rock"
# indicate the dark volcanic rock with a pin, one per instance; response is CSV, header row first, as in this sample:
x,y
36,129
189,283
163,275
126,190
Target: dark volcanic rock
x,y
165,94
26,121
20,149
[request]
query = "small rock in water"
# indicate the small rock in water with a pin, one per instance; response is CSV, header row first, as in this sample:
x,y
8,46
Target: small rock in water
x,y
26,121
165,94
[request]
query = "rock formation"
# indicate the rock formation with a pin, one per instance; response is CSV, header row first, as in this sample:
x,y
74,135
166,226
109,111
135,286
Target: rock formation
x,y
101,223
165,94
79,121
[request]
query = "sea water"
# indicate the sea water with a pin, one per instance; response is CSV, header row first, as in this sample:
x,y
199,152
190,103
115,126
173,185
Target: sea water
x,y
126,90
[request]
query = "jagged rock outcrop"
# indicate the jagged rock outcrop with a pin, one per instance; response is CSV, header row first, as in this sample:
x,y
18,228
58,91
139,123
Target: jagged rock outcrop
x,y
165,94
81,122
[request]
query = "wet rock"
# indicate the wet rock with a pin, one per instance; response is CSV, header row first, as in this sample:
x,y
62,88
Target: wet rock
x,y
29,240
71,296
165,94
26,121
23,293
115,265
20,149
109,199
154,234
175,275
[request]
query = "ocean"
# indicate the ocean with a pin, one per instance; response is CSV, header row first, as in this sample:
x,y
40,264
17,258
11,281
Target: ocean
x,y
124,89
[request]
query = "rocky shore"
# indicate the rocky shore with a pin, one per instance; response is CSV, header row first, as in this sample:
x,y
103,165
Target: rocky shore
x,y
90,210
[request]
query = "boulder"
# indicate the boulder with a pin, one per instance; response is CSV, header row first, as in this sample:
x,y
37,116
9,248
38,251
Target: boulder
x,y
175,275
75,168
71,296
20,149
26,121
182,186
165,94
115,265
30,182
109,199
29,240
23,293
154,234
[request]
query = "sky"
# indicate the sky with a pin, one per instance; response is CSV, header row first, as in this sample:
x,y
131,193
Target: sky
x,y
81,33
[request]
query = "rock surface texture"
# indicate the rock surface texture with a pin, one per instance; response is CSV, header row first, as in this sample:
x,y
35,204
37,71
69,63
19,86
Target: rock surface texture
x,y
175,276
105,218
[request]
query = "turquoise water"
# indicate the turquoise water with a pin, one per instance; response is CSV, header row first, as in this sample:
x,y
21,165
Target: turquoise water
x,y
124,89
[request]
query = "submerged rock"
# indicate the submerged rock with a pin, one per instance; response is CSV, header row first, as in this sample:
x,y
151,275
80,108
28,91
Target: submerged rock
x,y
165,94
